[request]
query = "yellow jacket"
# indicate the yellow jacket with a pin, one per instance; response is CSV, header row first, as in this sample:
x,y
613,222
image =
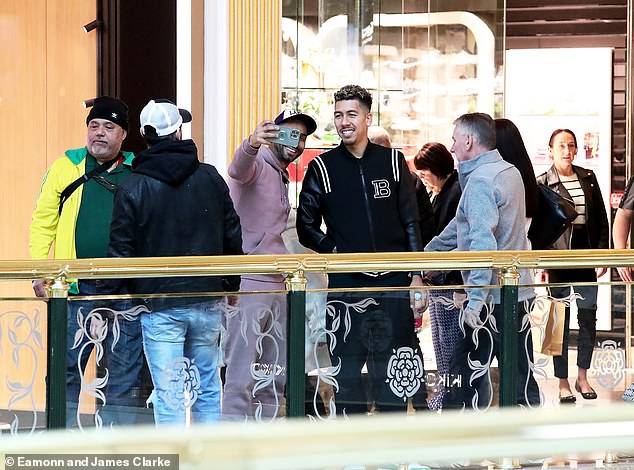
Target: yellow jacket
x,y
47,225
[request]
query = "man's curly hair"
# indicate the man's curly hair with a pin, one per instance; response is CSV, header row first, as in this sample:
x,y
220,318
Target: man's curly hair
x,y
354,92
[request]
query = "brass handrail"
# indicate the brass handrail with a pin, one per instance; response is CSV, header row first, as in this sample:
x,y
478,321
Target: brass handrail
x,y
102,268
426,438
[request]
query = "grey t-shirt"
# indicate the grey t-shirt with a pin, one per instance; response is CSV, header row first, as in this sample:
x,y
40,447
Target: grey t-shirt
x,y
627,201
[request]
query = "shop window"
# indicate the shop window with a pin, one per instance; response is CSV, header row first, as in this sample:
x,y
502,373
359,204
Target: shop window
x,y
425,63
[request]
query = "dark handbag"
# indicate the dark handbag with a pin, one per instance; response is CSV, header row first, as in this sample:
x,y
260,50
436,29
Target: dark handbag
x,y
443,278
555,215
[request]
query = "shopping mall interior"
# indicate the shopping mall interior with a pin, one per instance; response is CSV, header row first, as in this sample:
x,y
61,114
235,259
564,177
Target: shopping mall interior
x,y
543,64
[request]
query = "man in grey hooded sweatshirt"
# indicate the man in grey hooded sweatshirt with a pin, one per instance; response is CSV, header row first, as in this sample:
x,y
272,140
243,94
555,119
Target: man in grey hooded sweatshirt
x,y
490,216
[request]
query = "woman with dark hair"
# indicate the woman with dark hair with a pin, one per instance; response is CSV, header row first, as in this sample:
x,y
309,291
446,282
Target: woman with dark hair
x,y
589,230
435,167
511,146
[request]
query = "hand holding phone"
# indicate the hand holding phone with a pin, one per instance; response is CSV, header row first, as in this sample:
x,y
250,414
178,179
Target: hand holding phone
x,y
287,136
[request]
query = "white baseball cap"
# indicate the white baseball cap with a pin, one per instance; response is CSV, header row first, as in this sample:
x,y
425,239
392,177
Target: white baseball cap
x,y
163,116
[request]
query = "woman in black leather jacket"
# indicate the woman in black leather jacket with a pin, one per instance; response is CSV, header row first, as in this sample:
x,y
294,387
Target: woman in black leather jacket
x,y
589,230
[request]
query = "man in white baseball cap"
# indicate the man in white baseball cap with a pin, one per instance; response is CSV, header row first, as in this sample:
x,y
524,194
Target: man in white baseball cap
x,y
161,117
174,205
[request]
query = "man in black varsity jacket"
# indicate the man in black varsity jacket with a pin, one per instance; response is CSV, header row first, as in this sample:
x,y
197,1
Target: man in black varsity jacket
x,y
365,194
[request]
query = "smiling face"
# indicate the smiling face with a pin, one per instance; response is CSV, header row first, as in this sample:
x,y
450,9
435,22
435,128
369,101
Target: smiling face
x,y
104,139
563,150
352,120
287,155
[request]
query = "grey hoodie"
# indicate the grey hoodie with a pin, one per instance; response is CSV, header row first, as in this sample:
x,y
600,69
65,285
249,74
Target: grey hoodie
x,y
490,217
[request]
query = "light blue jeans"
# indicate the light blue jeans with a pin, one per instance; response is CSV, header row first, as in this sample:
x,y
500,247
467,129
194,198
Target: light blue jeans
x,y
181,346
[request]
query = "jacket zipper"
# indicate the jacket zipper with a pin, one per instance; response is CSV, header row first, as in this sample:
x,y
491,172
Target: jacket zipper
x,y
367,207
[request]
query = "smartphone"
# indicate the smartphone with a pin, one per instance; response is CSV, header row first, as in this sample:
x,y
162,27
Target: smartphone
x,y
287,136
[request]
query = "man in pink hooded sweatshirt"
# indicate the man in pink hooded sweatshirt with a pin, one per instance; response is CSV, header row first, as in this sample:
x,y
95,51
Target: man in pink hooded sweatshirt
x,y
255,349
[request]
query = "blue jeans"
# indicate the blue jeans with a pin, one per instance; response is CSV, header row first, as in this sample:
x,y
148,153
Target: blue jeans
x,y
181,346
122,358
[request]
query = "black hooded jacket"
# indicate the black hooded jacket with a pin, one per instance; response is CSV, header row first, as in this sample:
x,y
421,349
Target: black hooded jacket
x,y
173,205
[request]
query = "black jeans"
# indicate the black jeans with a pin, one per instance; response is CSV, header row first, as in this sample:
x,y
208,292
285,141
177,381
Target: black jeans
x,y
586,308
377,329
587,319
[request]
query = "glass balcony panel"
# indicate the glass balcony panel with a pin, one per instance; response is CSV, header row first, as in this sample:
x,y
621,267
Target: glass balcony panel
x,y
580,320
363,353
467,352
254,354
22,373
365,356
135,361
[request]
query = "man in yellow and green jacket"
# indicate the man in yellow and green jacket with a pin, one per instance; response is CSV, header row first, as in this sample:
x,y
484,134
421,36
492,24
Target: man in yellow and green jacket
x,y
78,225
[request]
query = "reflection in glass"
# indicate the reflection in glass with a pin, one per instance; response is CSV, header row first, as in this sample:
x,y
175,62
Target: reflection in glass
x,y
255,355
22,334
106,392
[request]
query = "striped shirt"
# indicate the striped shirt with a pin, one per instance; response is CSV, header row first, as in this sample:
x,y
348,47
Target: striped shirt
x,y
572,185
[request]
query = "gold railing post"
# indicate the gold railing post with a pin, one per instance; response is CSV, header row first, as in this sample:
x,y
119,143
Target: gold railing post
x,y
59,288
509,276
296,281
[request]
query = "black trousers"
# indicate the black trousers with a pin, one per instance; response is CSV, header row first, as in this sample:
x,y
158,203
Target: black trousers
x,y
374,328
469,371
586,314
587,319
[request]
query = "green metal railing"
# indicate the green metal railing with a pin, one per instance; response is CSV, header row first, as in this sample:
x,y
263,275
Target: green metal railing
x,y
509,278
294,267
56,355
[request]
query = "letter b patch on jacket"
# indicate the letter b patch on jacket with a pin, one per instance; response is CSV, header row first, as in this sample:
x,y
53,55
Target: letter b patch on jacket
x,y
381,189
